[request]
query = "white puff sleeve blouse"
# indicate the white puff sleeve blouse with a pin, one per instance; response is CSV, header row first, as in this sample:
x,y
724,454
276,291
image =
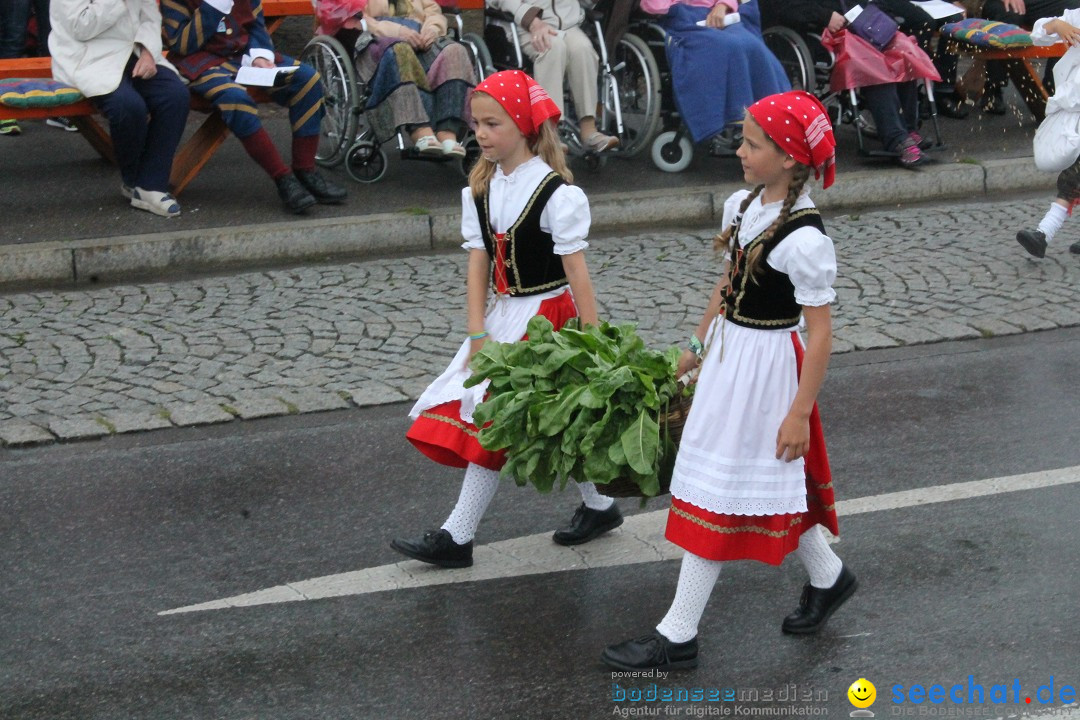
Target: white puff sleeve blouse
x,y
566,215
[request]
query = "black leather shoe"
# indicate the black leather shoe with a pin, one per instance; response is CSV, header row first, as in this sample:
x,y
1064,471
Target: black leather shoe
x,y
325,191
1075,248
993,104
651,652
436,547
817,605
293,194
1034,241
952,106
588,524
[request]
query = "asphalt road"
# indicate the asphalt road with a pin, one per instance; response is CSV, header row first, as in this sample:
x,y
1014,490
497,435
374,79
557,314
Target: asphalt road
x,y
100,537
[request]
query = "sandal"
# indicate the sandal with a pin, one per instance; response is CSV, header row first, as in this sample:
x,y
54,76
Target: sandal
x,y
452,148
428,145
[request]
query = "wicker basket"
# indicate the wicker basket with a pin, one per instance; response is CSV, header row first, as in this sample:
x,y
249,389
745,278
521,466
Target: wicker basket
x,y
672,423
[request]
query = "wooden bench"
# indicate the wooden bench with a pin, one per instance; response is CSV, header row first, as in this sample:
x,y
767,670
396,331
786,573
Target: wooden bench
x,y
194,153
1018,65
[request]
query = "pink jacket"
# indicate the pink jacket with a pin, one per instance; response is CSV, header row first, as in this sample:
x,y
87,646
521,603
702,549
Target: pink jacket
x,y
660,7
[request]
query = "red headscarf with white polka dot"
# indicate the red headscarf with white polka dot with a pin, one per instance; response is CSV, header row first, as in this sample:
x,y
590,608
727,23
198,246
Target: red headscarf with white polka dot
x,y
799,124
527,104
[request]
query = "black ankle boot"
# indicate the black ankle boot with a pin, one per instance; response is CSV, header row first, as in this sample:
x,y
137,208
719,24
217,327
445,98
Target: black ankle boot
x,y
588,524
651,652
293,195
324,191
436,547
816,605
1034,241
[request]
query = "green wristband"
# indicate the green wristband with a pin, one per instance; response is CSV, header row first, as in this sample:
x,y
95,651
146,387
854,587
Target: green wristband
x,y
696,347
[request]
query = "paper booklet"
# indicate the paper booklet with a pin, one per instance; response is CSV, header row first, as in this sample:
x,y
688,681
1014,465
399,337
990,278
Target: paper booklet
x,y
262,77
730,19
938,9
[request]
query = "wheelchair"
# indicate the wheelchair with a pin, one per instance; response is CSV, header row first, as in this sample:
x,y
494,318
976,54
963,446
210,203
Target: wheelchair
x,y
809,65
344,137
629,83
672,149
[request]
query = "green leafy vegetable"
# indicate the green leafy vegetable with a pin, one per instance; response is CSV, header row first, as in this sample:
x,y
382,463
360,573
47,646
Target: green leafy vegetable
x,y
579,403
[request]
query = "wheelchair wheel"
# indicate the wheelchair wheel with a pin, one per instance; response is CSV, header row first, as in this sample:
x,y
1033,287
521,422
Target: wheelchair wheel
x,y
482,63
671,156
633,86
365,162
340,100
794,55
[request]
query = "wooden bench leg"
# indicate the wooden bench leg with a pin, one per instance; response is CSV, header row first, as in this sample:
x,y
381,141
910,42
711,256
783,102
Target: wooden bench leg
x,y
1030,85
94,134
197,151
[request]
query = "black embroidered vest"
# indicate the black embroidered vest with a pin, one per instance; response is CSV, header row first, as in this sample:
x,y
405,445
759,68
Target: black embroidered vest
x,y
767,300
532,267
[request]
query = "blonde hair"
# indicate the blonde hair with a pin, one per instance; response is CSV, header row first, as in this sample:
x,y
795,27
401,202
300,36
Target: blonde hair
x,y
725,240
546,145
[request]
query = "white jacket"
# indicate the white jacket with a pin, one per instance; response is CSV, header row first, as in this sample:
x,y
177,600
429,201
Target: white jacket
x,y
92,40
1057,141
560,14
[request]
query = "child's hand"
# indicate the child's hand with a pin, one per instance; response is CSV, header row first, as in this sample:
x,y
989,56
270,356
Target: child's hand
x,y
1068,33
793,438
474,347
687,362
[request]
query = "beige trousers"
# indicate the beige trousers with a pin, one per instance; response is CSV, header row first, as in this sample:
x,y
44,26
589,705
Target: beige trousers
x,y
571,55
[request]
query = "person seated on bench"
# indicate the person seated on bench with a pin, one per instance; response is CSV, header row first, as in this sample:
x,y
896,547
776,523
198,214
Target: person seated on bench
x,y
419,79
1023,13
111,51
209,41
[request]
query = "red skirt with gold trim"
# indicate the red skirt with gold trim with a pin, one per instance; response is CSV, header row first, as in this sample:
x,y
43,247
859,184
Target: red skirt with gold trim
x,y
768,538
443,436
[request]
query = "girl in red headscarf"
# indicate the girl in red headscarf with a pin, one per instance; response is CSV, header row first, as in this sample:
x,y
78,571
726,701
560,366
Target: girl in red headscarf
x,y
751,480
524,227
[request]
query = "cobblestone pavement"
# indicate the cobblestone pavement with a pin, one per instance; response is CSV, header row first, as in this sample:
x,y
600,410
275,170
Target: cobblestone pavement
x,y
87,363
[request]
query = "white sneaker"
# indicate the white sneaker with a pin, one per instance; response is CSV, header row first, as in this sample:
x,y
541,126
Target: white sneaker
x,y
429,145
126,190
452,148
159,203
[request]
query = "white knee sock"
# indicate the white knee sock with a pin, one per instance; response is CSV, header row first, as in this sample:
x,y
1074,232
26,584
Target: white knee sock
x,y
696,580
817,557
592,497
1052,221
477,490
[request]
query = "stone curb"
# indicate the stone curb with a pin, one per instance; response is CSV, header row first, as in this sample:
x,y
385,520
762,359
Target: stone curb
x,y
321,240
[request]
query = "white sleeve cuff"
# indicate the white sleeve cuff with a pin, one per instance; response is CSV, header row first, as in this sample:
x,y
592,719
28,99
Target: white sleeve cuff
x,y
222,6
470,223
255,53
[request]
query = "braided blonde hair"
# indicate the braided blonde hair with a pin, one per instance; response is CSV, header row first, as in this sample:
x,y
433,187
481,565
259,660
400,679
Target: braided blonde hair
x,y
726,241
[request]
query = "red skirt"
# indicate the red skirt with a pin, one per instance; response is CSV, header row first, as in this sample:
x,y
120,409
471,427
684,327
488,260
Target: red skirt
x,y
443,436
768,538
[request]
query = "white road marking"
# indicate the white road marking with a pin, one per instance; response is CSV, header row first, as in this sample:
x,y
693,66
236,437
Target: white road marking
x,y
639,540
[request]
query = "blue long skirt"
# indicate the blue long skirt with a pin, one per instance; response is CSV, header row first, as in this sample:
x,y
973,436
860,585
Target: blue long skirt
x,y
717,74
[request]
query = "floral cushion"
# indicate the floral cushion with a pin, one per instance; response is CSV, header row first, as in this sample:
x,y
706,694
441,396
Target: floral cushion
x,y
36,93
988,33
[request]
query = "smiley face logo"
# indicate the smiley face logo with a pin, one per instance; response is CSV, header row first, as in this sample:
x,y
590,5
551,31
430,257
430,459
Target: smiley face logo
x,y
862,693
